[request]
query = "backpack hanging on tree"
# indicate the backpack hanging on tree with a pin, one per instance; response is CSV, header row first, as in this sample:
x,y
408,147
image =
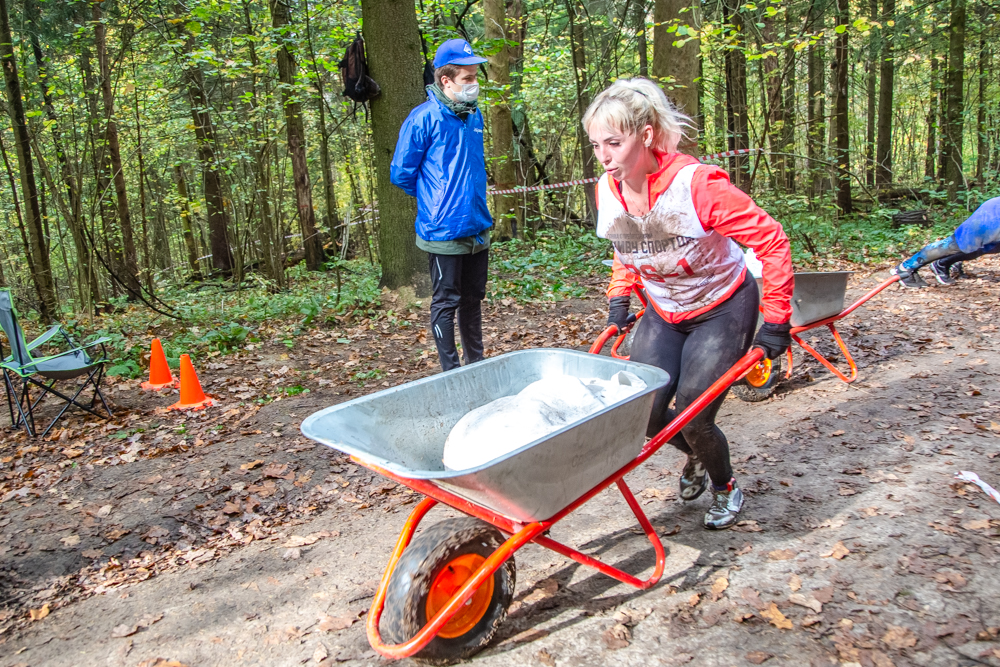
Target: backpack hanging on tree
x,y
358,86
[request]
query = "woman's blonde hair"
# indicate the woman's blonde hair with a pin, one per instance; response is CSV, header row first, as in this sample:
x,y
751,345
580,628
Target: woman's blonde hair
x,y
629,105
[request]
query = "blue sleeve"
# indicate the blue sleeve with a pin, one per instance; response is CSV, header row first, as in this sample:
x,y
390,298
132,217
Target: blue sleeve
x,y
409,154
981,229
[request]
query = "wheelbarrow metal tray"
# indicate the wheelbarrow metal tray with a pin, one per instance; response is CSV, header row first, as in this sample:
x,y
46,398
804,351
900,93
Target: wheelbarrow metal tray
x,y
403,430
818,295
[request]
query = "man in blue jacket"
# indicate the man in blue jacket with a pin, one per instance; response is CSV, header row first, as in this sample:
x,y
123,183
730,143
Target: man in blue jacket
x,y
979,235
439,160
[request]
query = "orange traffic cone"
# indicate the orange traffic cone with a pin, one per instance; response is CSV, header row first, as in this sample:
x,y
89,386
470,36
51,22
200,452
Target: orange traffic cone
x,y
159,372
192,397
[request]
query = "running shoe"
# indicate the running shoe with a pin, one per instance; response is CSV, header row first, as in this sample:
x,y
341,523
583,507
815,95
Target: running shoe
x,y
910,279
725,508
958,271
941,273
694,479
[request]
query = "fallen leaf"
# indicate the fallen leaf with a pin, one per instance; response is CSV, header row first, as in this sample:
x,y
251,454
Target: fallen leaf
x,y
758,657
116,534
92,553
694,600
253,464
320,654
71,453
899,637
292,554
546,658
781,554
979,524
745,549
104,511
719,587
160,662
739,617
616,637
124,630
776,618
795,583
846,491
810,621
803,601
148,619
39,614
303,541
753,598
837,433
336,623
824,595
838,552
70,541
748,526
545,588
882,660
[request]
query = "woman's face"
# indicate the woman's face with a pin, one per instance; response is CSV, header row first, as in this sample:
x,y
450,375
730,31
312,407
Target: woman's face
x,y
621,154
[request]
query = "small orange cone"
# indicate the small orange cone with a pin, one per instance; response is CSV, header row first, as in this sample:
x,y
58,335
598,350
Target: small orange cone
x,y
192,397
159,372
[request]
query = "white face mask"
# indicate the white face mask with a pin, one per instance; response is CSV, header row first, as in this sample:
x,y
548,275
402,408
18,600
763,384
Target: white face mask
x,y
468,92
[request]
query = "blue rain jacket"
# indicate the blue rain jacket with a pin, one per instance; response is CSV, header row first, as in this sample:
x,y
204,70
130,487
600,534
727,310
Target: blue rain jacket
x,y
439,160
981,231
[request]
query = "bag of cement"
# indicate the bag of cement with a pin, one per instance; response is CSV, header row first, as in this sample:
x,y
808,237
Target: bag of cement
x,y
541,408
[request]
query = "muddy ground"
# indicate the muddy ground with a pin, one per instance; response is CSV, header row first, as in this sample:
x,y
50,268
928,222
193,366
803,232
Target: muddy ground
x,y
226,538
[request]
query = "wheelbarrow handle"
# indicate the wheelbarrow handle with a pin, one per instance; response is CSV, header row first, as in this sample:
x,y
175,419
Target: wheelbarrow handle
x,y
613,331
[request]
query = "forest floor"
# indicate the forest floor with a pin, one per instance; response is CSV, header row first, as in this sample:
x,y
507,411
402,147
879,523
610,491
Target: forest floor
x,y
224,537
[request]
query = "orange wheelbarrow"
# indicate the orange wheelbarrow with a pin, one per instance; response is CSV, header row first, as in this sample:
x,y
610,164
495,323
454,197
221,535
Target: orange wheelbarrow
x,y
818,301
445,592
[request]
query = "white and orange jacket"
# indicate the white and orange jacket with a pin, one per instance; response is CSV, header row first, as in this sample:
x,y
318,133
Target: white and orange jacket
x,y
683,252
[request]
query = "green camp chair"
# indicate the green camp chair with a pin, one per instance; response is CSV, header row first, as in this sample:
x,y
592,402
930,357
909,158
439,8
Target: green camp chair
x,y
20,367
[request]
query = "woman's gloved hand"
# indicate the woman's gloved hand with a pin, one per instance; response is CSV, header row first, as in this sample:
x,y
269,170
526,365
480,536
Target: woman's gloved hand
x,y
618,312
773,338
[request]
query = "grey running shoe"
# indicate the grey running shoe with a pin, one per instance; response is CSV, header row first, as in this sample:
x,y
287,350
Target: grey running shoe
x,y
694,479
958,271
941,273
910,279
726,507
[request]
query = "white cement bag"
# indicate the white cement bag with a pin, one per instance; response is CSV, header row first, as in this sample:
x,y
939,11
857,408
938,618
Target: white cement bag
x,y
545,406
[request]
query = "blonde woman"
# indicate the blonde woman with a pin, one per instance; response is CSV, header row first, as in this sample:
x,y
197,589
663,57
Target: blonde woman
x,y
675,224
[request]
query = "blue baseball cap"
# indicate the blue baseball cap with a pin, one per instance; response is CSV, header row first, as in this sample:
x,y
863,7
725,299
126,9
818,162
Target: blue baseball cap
x,y
456,52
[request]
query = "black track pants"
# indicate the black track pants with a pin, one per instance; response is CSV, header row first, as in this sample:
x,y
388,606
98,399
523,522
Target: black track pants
x,y
696,353
969,256
459,283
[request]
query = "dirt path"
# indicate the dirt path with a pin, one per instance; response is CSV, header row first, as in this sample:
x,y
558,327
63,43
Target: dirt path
x,y
226,538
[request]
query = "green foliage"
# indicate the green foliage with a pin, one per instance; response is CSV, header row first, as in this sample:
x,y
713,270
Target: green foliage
x,y
548,268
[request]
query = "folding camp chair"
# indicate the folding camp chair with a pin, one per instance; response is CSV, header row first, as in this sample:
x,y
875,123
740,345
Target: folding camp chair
x,y
20,367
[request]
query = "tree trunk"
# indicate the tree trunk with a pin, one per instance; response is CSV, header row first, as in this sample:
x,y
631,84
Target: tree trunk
x,y
504,206
640,11
676,67
981,108
296,135
186,229
396,61
774,102
205,140
329,195
86,277
930,159
41,270
956,104
883,151
130,264
816,104
788,121
736,98
871,84
583,101
842,130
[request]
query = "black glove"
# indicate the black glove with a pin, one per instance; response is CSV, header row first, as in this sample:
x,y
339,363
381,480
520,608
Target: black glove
x,y
773,338
618,312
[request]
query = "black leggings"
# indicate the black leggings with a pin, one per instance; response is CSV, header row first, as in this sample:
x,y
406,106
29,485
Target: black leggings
x,y
696,352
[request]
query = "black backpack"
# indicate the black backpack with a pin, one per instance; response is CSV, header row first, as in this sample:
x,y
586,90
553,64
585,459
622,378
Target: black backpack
x,y
358,86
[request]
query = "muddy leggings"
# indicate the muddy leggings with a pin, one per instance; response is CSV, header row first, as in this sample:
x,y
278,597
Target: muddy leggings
x,y
696,353
947,251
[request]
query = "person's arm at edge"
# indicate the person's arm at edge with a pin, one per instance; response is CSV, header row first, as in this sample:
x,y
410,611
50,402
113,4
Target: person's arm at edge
x,y
409,154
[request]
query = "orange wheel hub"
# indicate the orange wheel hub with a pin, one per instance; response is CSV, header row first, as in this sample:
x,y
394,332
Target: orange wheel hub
x,y
759,374
449,580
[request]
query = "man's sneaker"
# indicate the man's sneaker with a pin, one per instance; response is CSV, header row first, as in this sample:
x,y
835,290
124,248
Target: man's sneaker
x,y
910,279
694,479
941,273
958,271
726,507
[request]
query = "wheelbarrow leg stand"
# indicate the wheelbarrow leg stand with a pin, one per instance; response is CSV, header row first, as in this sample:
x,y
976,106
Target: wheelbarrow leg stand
x,y
461,596
604,568
823,360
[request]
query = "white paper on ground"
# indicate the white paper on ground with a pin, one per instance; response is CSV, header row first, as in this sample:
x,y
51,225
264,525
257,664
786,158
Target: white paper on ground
x,y
541,408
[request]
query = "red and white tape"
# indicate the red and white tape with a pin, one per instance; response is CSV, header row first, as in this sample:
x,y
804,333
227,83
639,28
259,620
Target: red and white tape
x,y
584,181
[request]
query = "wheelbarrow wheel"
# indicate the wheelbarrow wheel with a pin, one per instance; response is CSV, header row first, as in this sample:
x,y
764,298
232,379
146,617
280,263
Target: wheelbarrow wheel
x,y
760,383
435,565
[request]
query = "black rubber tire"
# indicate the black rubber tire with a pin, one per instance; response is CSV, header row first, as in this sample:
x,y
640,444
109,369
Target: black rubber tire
x,y
747,392
406,598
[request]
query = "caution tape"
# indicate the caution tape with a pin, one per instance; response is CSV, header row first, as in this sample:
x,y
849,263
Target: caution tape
x,y
585,181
